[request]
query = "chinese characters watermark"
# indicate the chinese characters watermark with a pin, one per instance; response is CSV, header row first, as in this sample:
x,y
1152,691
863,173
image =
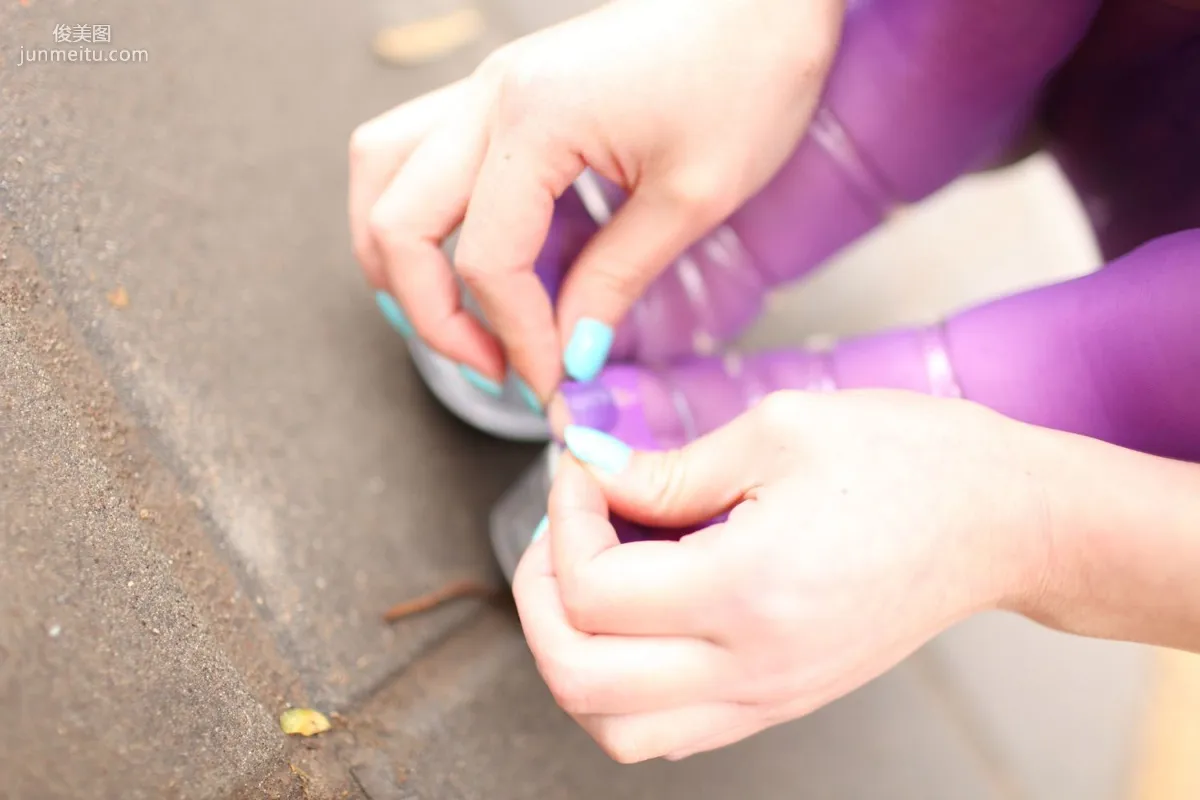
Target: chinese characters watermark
x,y
99,34
81,35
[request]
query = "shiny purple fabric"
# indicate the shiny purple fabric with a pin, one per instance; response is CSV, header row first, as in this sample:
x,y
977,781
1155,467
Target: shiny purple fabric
x,y
1123,119
1114,355
921,91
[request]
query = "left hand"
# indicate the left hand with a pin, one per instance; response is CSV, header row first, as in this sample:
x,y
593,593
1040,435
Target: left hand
x,y
689,107
861,525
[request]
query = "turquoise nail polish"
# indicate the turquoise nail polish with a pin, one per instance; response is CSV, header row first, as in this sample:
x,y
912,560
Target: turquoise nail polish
x,y
394,314
480,382
540,530
528,396
588,349
604,452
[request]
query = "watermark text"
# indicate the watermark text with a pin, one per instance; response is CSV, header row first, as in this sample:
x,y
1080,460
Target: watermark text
x,y
82,37
78,54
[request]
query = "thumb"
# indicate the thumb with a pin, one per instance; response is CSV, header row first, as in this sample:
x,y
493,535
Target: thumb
x,y
672,488
650,230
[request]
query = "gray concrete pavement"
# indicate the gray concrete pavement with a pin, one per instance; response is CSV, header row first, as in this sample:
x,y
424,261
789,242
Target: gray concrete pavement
x,y
209,494
478,722
114,676
210,184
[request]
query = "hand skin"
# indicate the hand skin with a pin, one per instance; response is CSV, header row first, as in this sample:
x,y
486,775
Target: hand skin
x,y
861,525
689,107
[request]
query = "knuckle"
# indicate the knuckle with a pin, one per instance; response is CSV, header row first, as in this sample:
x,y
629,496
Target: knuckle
x,y
477,262
666,480
616,281
470,267
493,66
522,87
765,603
705,191
579,600
523,577
768,680
780,413
383,230
570,686
363,248
764,691
364,142
623,744
364,254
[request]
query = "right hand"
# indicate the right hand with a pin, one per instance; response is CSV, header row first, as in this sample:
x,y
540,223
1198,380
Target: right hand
x,y
691,108
857,525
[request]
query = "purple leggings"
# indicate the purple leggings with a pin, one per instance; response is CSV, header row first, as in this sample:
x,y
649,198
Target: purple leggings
x,y
1114,355
922,91
1123,119
899,118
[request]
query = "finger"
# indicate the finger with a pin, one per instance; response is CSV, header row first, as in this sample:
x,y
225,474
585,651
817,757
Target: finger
x,y
507,221
609,674
639,737
378,149
418,210
646,234
676,488
648,588
751,724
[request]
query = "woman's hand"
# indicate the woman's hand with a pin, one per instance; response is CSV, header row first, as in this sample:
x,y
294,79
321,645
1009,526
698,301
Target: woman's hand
x,y
690,107
860,525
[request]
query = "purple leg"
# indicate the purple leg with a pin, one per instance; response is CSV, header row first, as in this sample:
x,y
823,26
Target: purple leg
x,y
1114,355
1123,118
922,90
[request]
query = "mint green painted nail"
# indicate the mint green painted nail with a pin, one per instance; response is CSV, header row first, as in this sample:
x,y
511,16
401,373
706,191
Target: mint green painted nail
x,y
394,314
605,453
480,382
588,349
528,396
540,530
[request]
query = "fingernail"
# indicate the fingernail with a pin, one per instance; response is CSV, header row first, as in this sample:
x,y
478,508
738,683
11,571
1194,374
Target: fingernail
x,y
540,530
591,404
480,382
394,314
588,349
605,453
528,396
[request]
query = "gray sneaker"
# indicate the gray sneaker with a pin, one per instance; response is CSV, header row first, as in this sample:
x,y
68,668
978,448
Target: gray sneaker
x,y
517,514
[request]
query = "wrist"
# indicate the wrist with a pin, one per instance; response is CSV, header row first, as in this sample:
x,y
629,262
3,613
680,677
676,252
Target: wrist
x,y
1037,538
1116,551
1011,533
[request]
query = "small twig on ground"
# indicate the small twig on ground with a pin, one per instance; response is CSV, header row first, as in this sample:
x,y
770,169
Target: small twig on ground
x,y
466,587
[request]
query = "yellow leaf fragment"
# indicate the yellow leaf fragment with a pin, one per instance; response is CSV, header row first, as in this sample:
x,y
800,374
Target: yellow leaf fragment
x,y
118,297
303,722
428,39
